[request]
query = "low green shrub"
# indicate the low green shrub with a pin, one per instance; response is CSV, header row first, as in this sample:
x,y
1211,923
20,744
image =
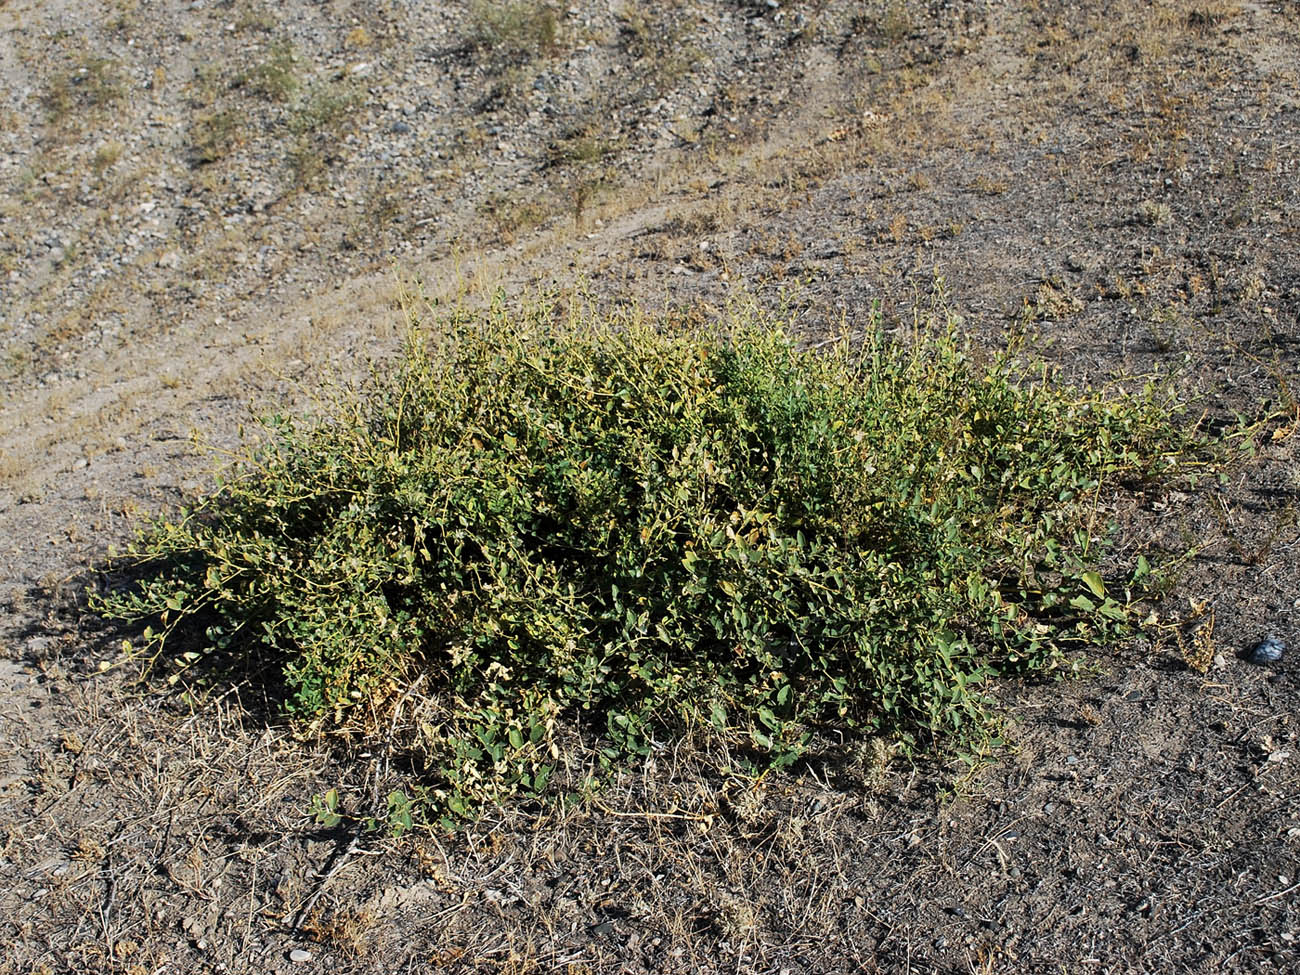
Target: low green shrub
x,y
275,77
541,521
215,135
93,83
512,29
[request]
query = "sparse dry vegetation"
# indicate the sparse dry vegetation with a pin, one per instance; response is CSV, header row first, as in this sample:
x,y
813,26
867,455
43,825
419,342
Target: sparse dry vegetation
x,y
511,29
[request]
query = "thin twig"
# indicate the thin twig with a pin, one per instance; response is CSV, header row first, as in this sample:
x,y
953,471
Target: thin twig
x,y
692,817
339,861
106,910
1276,894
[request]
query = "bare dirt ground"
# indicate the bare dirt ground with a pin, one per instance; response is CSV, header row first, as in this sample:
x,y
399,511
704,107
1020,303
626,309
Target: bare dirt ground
x,y
201,202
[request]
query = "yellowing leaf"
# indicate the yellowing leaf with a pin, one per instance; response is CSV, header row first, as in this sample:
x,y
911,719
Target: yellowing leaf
x,y
1094,582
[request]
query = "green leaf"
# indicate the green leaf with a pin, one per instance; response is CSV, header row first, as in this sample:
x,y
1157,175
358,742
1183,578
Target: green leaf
x,y
1094,582
541,777
717,716
399,812
324,809
1113,610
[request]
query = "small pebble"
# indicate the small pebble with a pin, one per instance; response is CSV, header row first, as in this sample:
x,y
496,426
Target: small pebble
x,y
1266,651
300,955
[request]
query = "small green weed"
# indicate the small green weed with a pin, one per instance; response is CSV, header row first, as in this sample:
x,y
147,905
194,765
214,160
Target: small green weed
x,y
512,29
326,109
548,526
106,156
325,809
397,818
92,83
886,22
274,77
316,121
256,18
513,214
215,135
581,147
654,35
307,163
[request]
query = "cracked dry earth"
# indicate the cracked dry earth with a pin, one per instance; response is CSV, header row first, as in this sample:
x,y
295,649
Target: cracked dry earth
x,y
1118,181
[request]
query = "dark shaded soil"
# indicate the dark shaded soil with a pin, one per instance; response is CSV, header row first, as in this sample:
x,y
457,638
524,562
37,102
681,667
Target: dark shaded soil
x,y
1118,183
